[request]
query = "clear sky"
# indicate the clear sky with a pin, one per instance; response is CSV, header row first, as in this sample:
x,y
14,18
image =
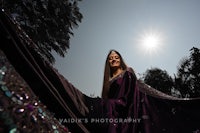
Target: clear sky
x,y
173,26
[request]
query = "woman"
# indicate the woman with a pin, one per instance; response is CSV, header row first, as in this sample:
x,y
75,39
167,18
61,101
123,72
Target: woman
x,y
114,67
116,106
119,86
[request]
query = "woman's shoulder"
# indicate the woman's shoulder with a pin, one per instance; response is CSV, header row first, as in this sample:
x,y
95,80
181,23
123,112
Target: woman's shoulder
x,y
131,71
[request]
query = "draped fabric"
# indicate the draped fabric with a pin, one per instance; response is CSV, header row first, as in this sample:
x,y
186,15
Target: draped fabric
x,y
20,109
144,109
53,90
131,107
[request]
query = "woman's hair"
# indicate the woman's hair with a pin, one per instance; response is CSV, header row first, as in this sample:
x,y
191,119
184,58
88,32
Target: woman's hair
x,y
108,73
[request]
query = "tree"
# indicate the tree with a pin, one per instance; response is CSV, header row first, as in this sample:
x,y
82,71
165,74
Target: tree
x,y
159,79
49,23
188,74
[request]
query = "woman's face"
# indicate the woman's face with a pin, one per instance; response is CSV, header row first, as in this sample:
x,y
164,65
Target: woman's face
x,y
114,60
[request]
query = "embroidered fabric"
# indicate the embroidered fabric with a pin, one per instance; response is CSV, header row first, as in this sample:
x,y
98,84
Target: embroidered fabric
x,y
21,111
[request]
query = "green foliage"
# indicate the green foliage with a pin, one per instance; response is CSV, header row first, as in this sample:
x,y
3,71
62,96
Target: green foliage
x,y
159,79
187,80
49,23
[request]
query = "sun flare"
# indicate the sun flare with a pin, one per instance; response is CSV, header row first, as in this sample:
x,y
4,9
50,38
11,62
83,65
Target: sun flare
x,y
150,42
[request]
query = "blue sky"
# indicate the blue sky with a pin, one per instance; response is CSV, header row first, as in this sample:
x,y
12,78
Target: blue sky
x,y
123,25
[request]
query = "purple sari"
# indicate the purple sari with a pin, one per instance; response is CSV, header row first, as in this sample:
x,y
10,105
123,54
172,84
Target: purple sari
x,y
136,107
131,107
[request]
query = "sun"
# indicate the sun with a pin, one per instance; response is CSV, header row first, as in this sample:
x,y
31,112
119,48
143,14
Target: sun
x,y
150,42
